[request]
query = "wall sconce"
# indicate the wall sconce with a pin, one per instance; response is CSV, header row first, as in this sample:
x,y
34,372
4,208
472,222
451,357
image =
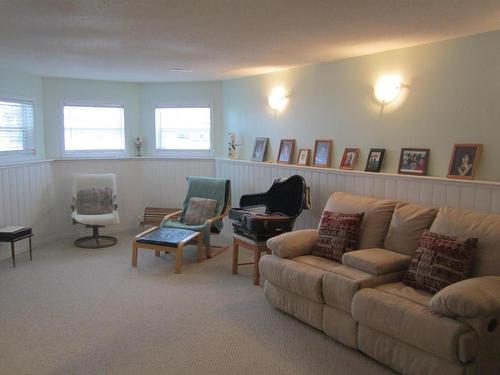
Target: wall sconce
x,y
387,88
278,99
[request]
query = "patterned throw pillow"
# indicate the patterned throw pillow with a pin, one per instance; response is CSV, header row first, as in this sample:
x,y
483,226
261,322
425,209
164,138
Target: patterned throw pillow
x,y
440,261
199,210
338,234
94,201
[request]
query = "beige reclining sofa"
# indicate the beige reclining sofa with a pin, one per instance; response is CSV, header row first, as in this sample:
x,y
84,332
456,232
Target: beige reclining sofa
x,y
363,303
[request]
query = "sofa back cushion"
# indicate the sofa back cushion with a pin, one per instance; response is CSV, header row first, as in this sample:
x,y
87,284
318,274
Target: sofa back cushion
x,y
376,219
407,225
485,227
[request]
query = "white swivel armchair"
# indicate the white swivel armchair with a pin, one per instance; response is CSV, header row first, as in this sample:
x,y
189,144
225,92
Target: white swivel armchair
x,y
94,205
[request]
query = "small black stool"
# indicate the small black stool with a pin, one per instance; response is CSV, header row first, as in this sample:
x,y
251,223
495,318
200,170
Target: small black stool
x,y
15,233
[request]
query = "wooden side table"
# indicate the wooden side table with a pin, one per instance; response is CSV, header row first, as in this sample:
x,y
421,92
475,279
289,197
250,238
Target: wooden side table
x,y
13,234
257,247
177,247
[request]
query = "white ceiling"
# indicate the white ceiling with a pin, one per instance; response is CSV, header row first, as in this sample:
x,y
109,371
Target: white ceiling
x,y
140,40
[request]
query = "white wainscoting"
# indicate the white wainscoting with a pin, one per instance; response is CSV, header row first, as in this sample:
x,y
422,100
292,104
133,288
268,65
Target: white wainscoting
x,y
251,177
38,194
26,193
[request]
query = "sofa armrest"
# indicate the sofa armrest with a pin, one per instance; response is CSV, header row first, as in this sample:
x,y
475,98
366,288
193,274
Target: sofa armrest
x,y
293,244
472,298
376,261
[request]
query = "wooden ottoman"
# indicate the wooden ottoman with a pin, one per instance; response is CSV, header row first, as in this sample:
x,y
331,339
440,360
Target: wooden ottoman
x,y
169,240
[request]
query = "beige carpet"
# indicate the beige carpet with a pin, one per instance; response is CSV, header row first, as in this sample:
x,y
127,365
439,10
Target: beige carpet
x,y
76,311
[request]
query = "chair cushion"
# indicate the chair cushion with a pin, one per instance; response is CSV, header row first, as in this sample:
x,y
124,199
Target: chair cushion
x,y
485,227
104,219
414,324
337,234
407,225
297,277
376,261
440,261
376,219
94,201
199,210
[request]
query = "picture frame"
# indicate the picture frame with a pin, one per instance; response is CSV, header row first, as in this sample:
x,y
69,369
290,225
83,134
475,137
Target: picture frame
x,y
322,153
285,153
464,161
375,159
304,156
259,149
414,161
349,158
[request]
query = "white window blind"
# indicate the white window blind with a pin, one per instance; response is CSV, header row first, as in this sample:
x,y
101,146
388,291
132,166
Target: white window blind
x,y
93,128
16,126
183,128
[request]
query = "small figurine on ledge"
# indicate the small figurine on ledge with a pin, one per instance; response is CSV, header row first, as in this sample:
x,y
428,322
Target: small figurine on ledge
x,y
138,146
231,149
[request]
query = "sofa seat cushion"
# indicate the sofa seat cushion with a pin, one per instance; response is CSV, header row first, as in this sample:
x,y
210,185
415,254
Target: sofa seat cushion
x,y
407,225
376,261
414,324
340,285
402,290
318,262
297,277
485,227
376,219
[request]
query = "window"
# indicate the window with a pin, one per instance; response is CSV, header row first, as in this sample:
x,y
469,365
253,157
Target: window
x,y
93,128
16,126
183,128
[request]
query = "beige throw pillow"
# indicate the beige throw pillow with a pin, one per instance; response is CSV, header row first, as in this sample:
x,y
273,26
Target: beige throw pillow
x,y
199,210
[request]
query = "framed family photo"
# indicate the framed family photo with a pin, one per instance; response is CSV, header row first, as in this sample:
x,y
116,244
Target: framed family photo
x,y
349,158
304,156
414,161
259,149
464,161
375,159
285,152
322,153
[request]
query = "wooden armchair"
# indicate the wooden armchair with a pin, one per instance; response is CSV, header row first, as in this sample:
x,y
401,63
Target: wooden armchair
x,y
211,188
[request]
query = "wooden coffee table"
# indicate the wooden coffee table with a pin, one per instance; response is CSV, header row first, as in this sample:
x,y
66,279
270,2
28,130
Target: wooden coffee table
x,y
169,240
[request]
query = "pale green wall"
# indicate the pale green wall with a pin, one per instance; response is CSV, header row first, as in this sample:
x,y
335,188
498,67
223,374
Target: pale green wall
x,y
56,91
182,94
454,97
29,87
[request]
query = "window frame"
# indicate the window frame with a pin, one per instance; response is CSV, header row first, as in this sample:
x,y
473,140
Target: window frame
x,y
13,154
92,153
181,152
